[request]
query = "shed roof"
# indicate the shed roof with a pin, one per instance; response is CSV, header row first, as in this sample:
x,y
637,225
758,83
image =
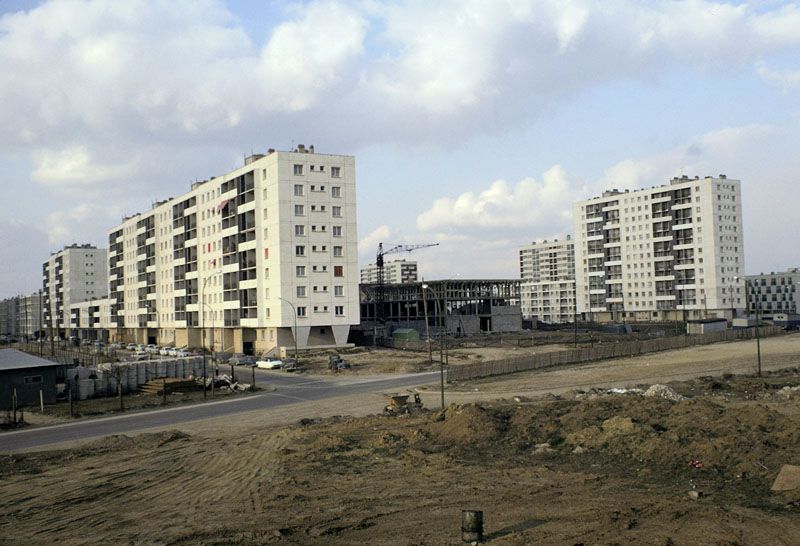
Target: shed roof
x,y
13,359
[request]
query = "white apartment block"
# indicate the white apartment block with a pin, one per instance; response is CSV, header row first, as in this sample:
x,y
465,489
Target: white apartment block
x,y
29,315
662,253
238,261
72,275
547,270
394,272
774,293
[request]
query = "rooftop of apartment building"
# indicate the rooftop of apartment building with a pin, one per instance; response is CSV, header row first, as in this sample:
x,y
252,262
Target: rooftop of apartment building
x,y
675,180
84,246
248,159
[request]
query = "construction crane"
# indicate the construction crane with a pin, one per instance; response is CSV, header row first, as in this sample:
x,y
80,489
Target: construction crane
x,y
381,299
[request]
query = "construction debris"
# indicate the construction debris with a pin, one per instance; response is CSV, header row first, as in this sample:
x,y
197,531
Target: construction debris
x,y
665,392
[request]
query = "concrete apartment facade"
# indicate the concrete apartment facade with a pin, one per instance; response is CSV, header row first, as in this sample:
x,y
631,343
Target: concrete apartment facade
x,y
20,316
669,252
547,270
9,317
74,274
29,315
774,293
394,272
238,260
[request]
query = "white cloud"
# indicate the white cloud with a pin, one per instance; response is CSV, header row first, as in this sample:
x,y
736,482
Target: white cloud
x,y
708,154
74,165
527,205
786,80
368,245
78,224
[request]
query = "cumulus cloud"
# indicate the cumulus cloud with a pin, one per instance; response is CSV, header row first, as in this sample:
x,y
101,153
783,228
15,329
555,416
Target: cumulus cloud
x,y
785,80
74,165
78,224
707,154
526,205
368,245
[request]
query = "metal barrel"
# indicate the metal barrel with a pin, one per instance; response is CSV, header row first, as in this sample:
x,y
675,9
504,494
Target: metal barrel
x,y
472,526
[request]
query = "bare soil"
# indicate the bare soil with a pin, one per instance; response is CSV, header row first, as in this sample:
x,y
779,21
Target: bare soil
x,y
587,467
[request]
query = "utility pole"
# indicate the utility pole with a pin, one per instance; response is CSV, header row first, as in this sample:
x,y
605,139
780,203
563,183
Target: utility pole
x,y
758,336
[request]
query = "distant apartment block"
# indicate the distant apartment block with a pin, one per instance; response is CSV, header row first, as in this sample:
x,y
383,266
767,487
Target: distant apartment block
x,y
20,316
241,259
394,272
9,323
75,274
774,293
664,253
547,270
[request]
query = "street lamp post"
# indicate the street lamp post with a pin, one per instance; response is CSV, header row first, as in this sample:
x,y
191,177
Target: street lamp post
x,y
427,328
203,335
294,334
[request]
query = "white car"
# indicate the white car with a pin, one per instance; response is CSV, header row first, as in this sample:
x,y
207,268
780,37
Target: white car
x,y
183,353
173,352
269,364
164,351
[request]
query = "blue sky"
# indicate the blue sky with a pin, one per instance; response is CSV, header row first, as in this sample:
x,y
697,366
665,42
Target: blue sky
x,y
474,124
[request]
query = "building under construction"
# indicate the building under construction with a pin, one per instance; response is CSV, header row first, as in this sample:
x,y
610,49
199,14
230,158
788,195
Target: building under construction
x,y
460,307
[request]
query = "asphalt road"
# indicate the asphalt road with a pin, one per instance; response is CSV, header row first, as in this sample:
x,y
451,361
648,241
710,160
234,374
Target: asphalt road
x,y
288,389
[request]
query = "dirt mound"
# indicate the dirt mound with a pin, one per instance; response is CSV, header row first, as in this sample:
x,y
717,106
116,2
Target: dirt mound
x,y
468,425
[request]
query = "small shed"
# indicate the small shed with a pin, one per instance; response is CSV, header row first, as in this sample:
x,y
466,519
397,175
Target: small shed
x,y
706,326
405,334
27,374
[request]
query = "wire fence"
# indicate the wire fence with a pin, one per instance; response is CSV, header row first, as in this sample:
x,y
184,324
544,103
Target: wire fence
x,y
66,354
624,349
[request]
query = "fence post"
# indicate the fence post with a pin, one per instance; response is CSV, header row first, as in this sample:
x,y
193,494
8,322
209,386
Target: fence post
x,y
41,400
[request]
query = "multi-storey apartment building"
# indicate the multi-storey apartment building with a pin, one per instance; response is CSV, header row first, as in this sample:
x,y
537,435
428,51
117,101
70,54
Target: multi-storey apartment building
x,y
75,274
547,270
30,315
394,272
251,261
9,317
20,316
774,293
664,253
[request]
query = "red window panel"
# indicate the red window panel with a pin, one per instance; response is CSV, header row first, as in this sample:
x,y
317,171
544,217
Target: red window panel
x,y
338,271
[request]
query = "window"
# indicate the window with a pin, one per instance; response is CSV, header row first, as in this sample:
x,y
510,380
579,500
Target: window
x,y
299,210
337,231
300,270
336,172
301,291
33,379
338,271
298,170
339,310
337,212
301,311
338,251
298,189
336,191
338,290
300,231
300,250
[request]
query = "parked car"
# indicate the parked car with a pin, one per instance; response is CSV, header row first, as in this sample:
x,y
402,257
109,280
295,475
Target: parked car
x,y
269,364
164,351
240,359
183,353
290,365
130,347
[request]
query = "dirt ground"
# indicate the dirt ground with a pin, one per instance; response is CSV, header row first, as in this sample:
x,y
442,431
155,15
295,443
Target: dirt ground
x,y
379,360
587,467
